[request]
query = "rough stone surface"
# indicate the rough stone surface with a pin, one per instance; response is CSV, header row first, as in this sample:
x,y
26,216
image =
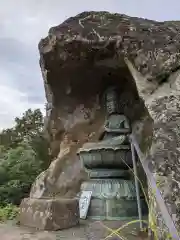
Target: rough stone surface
x,y
81,57
49,214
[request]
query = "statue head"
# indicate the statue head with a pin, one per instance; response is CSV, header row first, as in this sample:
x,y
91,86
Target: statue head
x,y
111,101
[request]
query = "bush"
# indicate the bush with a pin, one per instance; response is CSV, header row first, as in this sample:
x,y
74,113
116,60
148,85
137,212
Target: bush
x,y
8,212
18,171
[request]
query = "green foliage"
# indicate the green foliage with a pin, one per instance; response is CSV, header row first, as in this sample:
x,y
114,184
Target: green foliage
x,y
9,212
23,155
19,169
28,127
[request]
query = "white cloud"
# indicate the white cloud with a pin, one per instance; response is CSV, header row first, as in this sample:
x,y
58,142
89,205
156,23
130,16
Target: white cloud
x,y
13,104
24,22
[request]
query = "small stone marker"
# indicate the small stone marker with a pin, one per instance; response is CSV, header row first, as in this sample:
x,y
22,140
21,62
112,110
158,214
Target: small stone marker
x,y
84,203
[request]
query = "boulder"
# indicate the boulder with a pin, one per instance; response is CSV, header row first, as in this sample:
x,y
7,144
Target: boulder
x,y
49,214
79,59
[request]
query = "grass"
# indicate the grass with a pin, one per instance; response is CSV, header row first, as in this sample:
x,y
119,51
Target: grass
x,y
8,212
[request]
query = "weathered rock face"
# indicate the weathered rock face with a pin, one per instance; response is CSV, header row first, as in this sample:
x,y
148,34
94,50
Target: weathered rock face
x,y
52,214
79,59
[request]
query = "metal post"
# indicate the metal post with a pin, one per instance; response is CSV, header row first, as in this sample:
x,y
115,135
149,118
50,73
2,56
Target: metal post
x,y
137,186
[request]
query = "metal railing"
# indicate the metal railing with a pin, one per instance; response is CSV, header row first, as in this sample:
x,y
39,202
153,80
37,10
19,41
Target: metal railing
x,y
159,199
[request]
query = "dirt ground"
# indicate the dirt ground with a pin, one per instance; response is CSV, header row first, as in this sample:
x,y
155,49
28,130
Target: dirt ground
x,y
85,231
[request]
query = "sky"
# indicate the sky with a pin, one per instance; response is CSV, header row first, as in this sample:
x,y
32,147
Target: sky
x,y
24,22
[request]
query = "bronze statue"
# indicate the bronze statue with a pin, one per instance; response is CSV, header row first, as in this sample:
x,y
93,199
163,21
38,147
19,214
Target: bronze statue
x,y
107,163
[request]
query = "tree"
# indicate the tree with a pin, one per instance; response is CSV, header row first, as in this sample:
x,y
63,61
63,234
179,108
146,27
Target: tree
x,y
18,171
29,126
23,155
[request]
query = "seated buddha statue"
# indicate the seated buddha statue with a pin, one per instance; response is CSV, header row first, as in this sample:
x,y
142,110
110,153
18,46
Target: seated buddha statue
x,y
113,148
116,123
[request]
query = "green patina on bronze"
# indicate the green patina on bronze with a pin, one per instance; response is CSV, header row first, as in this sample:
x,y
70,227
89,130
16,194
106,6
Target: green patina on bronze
x,y
107,163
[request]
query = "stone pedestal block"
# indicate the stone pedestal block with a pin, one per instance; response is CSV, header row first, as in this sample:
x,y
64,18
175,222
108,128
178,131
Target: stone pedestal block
x,y
49,214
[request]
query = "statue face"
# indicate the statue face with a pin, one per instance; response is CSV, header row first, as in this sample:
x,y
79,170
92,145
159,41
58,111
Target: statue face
x,y
111,101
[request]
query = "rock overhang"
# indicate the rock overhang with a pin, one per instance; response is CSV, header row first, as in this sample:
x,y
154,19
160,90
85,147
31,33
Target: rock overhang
x,y
79,54
74,62
88,70
91,37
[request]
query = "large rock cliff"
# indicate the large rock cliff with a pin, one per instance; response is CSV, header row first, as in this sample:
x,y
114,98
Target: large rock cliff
x,y
79,59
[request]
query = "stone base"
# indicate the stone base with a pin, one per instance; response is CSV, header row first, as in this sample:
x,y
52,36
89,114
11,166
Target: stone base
x,y
49,214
